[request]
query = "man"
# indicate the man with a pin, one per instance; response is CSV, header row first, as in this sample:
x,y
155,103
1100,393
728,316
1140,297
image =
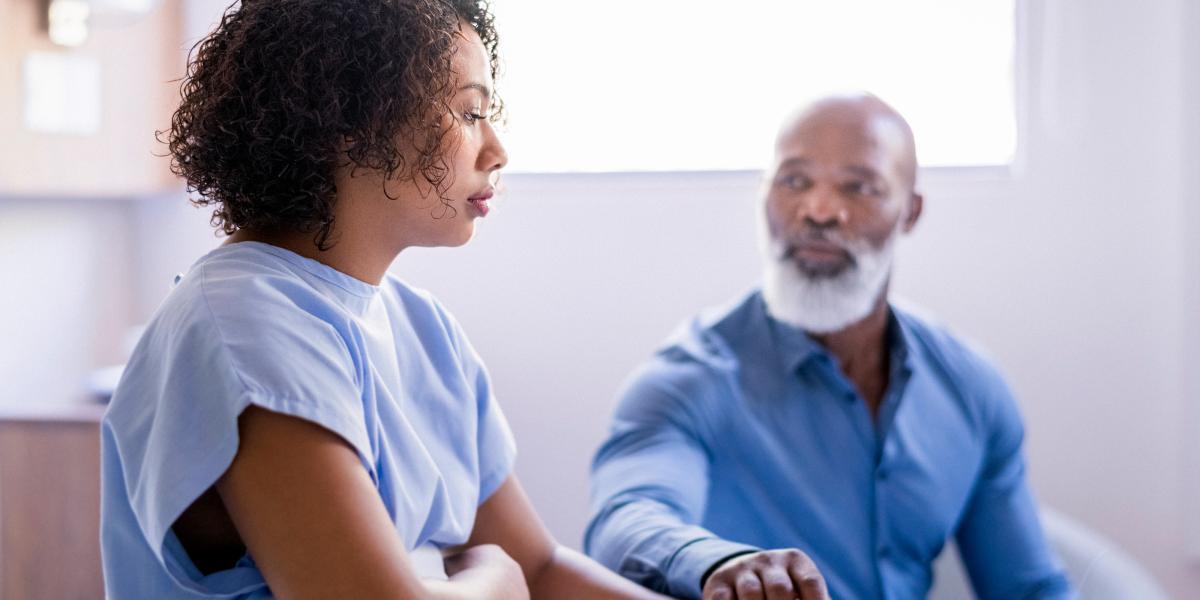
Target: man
x,y
814,439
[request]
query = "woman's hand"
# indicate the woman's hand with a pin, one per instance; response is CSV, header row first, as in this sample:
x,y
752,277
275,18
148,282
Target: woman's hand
x,y
488,567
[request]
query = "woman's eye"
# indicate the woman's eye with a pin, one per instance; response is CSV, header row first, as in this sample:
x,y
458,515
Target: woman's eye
x,y
472,117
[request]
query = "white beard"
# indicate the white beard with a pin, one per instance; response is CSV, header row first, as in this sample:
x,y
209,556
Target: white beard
x,y
823,305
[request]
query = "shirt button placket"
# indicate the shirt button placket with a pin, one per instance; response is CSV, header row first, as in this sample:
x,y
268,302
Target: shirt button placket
x,y
883,549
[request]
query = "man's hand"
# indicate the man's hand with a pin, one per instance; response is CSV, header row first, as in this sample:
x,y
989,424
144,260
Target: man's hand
x,y
768,575
491,568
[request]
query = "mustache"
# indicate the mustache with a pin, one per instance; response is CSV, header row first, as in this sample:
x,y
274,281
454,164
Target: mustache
x,y
785,247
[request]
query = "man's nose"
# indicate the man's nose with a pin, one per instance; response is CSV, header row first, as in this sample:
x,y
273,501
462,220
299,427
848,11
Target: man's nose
x,y
823,209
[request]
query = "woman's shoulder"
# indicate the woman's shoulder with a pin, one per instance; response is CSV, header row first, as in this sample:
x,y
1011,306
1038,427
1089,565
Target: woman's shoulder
x,y
248,287
259,272
239,326
242,307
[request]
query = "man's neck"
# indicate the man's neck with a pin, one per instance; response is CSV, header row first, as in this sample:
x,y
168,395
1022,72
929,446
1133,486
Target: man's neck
x,y
862,352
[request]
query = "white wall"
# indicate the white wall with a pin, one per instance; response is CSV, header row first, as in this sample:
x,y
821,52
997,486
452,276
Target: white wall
x,y
66,268
1191,328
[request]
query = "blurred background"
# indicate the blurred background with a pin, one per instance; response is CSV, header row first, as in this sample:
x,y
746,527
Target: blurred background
x,y
1060,143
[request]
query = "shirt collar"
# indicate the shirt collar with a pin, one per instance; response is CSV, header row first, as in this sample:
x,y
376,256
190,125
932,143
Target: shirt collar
x,y
796,348
901,338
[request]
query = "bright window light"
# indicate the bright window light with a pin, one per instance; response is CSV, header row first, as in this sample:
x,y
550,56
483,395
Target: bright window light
x,y
681,85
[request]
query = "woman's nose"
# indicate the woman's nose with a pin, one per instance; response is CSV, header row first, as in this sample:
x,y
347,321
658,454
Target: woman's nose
x,y
493,156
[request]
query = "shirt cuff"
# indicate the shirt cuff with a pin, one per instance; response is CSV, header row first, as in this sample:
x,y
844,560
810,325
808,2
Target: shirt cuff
x,y
693,560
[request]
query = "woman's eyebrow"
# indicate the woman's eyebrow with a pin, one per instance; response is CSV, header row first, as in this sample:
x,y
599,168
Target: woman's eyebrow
x,y
483,89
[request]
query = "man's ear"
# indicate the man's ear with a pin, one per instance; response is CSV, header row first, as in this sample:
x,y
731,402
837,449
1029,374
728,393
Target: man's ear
x,y
916,203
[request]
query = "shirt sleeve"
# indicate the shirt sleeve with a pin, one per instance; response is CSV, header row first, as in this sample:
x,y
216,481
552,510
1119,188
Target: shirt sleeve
x,y
495,446
649,485
175,416
1000,538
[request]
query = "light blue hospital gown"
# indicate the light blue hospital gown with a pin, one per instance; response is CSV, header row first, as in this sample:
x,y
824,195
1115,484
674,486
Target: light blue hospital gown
x,y
386,368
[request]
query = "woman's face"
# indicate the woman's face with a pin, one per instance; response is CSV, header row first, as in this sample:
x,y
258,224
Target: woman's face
x,y
476,155
418,215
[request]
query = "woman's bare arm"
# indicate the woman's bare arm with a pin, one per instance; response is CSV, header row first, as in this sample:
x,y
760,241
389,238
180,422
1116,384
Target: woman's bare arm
x,y
309,514
507,519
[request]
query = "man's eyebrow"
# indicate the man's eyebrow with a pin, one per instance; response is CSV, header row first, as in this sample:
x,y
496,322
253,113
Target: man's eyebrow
x,y
482,89
861,171
794,162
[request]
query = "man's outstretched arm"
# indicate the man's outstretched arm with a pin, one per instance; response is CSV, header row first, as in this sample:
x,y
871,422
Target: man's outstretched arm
x,y
649,486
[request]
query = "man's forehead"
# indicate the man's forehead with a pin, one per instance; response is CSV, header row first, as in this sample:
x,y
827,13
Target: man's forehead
x,y
859,132
842,144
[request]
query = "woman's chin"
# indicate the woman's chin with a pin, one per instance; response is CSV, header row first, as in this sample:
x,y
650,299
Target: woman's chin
x,y
453,237
461,236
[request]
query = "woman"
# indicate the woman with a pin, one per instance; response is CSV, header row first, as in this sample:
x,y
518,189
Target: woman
x,y
294,421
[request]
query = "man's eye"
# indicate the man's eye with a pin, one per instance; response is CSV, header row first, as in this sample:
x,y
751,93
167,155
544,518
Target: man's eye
x,y
861,188
793,182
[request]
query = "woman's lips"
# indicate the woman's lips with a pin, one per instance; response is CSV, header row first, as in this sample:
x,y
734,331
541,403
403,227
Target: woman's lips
x,y
480,202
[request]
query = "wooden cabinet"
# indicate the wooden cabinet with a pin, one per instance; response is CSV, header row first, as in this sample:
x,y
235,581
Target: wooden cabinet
x,y
50,504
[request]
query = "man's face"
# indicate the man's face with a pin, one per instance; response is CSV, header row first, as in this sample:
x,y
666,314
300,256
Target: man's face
x,y
839,181
839,192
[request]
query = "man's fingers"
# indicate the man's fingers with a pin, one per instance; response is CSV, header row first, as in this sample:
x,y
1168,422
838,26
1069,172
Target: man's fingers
x,y
749,586
784,574
777,584
808,582
718,591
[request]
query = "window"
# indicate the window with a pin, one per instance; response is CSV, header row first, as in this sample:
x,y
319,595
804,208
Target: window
x,y
680,85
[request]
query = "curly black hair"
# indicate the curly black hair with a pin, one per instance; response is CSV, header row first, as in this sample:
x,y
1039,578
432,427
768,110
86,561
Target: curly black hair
x,y
284,92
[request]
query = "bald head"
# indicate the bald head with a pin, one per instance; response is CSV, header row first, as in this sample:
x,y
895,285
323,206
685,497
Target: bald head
x,y
850,123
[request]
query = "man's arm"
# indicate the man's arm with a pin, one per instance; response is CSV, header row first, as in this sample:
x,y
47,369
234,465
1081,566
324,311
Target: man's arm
x,y
649,487
1000,538
507,519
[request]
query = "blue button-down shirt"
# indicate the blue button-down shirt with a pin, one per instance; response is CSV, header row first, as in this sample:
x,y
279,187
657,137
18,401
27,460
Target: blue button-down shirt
x,y
744,434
